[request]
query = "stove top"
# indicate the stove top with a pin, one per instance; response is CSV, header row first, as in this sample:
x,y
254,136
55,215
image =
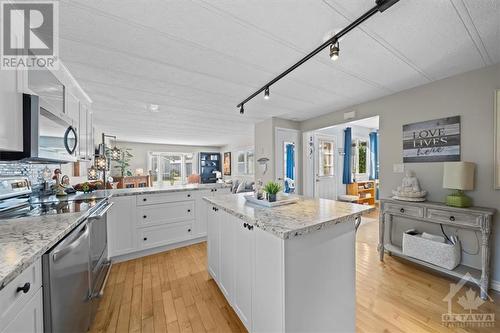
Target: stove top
x,y
24,207
17,200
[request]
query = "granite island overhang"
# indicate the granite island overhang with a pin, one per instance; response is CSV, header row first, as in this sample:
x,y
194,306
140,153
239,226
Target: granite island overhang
x,y
286,268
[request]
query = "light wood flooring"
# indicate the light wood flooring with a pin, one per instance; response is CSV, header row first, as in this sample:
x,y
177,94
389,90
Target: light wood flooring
x,y
172,292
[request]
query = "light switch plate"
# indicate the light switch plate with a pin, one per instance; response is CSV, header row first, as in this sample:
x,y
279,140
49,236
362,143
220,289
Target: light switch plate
x,y
398,168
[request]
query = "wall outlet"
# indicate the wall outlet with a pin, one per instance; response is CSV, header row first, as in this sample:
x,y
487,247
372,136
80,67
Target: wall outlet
x,y
398,168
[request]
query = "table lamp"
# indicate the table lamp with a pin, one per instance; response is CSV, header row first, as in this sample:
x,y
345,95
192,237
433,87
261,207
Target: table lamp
x,y
459,176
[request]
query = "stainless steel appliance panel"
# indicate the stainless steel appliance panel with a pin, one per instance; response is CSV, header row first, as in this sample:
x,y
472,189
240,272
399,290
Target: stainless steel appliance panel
x,y
66,284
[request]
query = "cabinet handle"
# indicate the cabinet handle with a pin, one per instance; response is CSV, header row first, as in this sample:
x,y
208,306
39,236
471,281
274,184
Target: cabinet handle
x,y
452,218
145,239
250,227
245,225
144,216
24,288
211,190
189,210
402,210
215,189
144,199
189,195
189,230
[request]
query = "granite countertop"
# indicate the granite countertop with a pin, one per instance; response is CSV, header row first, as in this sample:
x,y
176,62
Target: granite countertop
x,y
101,194
24,240
305,216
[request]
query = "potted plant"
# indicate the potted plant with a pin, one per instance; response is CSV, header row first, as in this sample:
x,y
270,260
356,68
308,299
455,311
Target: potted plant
x,y
272,188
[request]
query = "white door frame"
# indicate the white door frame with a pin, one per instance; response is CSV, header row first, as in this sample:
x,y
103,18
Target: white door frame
x,y
298,151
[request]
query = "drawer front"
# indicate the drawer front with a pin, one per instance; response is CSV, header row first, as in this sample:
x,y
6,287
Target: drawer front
x,y
153,199
444,216
405,210
12,300
164,235
165,213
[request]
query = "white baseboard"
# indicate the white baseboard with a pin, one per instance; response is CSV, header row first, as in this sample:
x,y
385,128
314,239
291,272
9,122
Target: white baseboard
x,y
147,252
495,285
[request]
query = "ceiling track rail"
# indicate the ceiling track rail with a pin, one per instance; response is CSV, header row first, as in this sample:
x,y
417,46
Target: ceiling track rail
x,y
381,6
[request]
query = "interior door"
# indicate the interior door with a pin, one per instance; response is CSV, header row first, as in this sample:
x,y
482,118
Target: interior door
x,y
325,168
286,158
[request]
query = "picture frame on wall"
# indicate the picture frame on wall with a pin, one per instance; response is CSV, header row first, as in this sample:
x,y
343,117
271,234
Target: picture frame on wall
x,y
227,164
435,140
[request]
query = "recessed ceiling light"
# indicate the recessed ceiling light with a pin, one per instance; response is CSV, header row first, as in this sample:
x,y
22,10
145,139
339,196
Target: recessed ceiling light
x,y
154,107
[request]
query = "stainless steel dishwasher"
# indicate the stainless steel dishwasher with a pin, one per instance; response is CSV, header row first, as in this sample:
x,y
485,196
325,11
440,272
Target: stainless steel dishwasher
x,y
66,296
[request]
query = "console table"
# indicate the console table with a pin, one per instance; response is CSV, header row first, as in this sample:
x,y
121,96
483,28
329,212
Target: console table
x,y
472,218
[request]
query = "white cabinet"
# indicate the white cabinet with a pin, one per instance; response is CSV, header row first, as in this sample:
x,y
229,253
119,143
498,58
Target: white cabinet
x,y
213,237
21,310
244,240
122,226
30,318
231,247
163,235
11,111
226,243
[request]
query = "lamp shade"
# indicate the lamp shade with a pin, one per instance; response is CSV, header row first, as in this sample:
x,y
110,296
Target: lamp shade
x,y
459,175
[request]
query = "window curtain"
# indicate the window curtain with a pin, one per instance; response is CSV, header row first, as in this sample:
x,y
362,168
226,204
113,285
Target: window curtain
x,y
347,174
290,161
373,155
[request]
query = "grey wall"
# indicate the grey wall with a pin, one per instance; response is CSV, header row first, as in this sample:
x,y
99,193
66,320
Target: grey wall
x,y
265,144
470,95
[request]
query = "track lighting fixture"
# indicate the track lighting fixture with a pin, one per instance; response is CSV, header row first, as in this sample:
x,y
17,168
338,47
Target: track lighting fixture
x,y
380,6
334,51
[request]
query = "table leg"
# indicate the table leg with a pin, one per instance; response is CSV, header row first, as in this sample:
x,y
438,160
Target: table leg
x,y
485,263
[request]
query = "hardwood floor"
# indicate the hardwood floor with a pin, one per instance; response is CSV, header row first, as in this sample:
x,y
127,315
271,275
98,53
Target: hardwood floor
x,y
172,292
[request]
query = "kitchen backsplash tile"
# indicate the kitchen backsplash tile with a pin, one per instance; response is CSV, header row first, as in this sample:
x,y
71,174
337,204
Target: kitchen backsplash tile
x,y
34,172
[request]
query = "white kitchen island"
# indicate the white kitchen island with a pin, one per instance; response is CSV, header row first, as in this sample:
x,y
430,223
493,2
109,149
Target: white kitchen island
x,y
288,268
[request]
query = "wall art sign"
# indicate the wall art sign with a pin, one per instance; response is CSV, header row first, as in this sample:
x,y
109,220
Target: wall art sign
x,y
227,164
432,141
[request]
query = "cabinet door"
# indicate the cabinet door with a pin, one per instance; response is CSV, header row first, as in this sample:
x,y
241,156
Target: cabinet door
x,y
244,240
30,318
213,236
201,213
121,226
11,112
90,136
82,127
226,268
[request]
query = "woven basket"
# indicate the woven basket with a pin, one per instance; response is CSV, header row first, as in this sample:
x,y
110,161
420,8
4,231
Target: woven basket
x,y
440,254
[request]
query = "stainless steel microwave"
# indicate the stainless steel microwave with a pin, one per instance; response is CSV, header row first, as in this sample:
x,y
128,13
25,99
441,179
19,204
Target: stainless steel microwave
x,y
47,137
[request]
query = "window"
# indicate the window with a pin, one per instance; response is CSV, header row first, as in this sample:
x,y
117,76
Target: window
x,y
359,157
170,168
326,158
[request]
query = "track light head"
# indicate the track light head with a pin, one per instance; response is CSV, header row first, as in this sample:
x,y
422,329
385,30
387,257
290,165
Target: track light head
x,y
334,51
242,109
266,93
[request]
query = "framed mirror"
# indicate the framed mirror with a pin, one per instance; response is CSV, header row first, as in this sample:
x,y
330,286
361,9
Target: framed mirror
x,y
497,140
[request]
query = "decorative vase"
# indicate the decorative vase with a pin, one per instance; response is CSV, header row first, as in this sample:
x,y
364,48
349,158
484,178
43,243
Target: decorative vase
x,y
271,197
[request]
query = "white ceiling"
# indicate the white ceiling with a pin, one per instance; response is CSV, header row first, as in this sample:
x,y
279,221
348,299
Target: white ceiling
x,y
197,59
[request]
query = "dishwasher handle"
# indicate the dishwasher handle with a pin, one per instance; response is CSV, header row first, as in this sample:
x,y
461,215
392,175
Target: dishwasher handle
x,y
99,214
58,254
